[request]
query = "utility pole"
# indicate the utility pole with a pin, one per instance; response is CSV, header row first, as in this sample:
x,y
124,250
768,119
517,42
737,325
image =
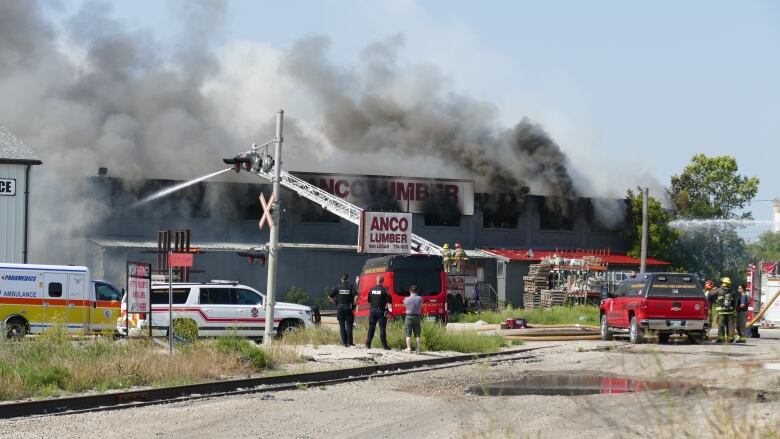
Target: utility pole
x,y
643,257
273,247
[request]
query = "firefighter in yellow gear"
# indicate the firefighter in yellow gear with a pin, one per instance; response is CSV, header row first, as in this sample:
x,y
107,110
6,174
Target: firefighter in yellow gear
x,y
446,257
460,258
726,309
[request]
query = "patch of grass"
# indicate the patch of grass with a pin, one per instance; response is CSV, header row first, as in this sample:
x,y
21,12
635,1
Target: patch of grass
x,y
558,315
317,335
58,362
245,350
435,337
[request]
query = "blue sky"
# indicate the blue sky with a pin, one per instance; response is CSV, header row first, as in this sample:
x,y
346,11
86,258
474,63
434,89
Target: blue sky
x,y
642,85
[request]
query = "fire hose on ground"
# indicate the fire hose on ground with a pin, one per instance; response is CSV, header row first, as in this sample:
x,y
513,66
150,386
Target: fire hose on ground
x,y
763,310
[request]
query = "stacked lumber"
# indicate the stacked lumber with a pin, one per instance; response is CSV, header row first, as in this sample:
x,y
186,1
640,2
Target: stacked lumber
x,y
532,300
550,298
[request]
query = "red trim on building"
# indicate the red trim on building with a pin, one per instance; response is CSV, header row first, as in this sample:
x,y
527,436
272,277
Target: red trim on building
x,y
525,255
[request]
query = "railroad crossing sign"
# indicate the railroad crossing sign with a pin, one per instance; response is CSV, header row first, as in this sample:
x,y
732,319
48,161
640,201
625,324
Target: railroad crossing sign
x,y
266,215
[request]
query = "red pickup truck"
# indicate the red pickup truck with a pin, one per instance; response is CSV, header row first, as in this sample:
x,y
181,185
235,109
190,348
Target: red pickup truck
x,y
656,304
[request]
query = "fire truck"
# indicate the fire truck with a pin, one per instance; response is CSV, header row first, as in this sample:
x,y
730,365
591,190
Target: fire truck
x,y
401,272
763,286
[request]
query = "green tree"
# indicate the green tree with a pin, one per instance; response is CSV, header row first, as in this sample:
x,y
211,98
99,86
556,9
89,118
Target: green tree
x,y
660,237
712,188
767,248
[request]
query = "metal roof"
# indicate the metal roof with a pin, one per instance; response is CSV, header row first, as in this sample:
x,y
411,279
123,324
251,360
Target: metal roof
x,y
12,150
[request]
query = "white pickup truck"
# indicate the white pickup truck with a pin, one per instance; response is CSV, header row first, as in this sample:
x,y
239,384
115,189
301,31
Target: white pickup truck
x,y
218,308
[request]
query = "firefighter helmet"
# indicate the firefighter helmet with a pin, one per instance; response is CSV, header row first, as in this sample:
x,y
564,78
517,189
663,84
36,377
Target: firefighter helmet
x,y
726,281
708,285
445,245
457,245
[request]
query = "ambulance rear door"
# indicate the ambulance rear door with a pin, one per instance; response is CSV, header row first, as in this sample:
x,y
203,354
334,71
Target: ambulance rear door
x,y
55,301
78,300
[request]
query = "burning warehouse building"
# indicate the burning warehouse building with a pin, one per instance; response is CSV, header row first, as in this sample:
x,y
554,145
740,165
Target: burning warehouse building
x,y
318,246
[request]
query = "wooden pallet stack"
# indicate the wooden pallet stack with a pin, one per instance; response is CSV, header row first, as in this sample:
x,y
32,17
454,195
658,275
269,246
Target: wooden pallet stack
x,y
533,285
550,298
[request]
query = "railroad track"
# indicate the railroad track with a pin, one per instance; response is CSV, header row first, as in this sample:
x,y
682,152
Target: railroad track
x,y
137,398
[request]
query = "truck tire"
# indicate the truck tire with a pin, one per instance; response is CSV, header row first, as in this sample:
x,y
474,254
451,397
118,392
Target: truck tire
x,y
663,337
605,334
634,332
696,337
287,326
16,328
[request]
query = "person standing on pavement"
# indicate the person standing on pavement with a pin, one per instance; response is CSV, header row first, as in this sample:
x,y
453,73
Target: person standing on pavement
x,y
378,299
725,307
345,298
742,313
413,305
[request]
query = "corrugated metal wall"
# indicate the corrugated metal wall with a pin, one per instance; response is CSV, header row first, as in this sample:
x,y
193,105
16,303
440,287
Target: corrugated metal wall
x,y
12,216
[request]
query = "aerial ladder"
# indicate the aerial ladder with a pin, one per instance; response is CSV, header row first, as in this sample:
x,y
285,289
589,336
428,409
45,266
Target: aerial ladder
x,y
259,162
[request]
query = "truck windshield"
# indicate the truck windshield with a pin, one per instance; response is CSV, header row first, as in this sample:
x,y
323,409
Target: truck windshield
x,y
675,285
428,282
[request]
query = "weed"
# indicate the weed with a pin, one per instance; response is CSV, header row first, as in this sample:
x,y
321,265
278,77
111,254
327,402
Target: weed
x,y
253,355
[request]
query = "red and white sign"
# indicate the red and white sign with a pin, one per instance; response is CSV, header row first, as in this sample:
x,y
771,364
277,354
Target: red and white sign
x,y
180,259
385,232
139,282
265,206
409,193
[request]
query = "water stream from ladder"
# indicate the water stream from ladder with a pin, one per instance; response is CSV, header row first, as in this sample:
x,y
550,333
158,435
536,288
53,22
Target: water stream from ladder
x,y
169,190
691,224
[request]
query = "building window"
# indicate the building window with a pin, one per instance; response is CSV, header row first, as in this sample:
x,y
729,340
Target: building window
x,y
500,267
608,215
499,211
556,214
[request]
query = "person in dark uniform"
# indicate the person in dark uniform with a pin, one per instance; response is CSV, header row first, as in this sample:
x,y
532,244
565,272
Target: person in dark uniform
x,y
378,298
345,298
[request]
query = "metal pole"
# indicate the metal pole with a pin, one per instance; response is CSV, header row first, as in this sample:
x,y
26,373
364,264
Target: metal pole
x,y
645,196
273,247
170,305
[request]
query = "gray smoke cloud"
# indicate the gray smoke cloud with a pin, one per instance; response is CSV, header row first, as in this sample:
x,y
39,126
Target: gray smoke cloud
x,y
97,94
91,92
360,116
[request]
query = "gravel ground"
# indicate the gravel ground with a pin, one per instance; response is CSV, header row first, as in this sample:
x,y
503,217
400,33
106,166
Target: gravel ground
x,y
436,404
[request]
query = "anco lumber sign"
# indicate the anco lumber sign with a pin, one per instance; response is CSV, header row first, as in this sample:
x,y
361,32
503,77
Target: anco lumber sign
x,y
385,232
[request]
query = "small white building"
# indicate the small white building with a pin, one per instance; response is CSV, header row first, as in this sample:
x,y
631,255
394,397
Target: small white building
x,y
16,162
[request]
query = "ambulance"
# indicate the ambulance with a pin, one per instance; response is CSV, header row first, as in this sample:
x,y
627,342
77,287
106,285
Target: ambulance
x,y
36,297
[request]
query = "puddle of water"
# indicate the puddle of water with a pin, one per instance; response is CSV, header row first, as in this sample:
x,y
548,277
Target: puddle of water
x,y
570,385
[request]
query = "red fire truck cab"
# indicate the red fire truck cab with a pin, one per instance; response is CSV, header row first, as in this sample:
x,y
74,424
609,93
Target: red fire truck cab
x,y
401,272
656,304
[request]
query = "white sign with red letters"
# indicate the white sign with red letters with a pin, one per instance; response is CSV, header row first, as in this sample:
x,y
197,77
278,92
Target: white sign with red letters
x,y
407,194
139,283
385,232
